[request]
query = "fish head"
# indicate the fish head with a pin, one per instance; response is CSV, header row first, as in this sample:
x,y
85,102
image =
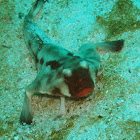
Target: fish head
x,y
78,79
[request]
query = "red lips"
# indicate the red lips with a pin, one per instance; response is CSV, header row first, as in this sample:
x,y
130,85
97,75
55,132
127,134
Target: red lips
x,y
84,92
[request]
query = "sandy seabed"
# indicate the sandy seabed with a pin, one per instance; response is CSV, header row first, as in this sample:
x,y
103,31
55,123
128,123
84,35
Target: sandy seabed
x,y
112,112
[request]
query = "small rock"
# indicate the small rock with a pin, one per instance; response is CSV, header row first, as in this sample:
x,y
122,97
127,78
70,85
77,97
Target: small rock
x,y
16,138
107,91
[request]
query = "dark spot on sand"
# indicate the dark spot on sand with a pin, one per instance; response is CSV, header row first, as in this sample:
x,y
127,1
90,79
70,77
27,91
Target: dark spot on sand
x,y
100,117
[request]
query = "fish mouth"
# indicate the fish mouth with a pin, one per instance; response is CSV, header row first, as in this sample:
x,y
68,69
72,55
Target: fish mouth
x,y
83,93
83,88
80,84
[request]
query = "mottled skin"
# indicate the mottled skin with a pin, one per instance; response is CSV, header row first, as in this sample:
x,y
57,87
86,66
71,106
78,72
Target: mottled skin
x,y
60,72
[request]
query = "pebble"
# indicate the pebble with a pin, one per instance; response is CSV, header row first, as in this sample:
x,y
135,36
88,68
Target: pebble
x,y
16,137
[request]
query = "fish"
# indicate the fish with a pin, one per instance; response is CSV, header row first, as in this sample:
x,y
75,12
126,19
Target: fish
x,y
60,72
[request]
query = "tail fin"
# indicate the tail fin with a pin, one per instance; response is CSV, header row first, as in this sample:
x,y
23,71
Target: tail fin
x,y
113,46
36,8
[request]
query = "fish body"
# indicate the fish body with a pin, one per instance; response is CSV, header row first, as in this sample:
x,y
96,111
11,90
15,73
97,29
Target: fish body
x,y
60,72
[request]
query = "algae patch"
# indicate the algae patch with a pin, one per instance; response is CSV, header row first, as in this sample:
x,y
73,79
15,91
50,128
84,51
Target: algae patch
x,y
131,127
6,127
64,129
7,12
122,18
63,3
110,76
